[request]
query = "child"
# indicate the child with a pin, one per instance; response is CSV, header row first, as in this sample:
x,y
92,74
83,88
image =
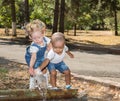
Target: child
x,y
54,60
35,52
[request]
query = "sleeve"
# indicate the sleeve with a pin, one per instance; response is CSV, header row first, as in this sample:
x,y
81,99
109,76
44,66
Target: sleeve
x,y
50,55
66,48
33,49
48,40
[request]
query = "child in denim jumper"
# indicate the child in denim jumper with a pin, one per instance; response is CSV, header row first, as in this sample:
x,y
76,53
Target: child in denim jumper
x,y
35,52
54,60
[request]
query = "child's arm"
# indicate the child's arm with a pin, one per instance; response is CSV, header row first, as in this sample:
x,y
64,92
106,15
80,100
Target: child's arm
x,y
49,46
32,62
49,57
70,54
44,64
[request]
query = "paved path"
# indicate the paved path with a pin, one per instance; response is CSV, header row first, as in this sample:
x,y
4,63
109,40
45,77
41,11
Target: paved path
x,y
106,66
97,64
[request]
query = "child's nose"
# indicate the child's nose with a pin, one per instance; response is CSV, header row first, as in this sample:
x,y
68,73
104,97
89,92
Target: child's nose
x,y
36,39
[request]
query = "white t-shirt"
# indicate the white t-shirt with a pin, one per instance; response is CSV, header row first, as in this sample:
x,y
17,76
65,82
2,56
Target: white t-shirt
x,y
34,49
56,58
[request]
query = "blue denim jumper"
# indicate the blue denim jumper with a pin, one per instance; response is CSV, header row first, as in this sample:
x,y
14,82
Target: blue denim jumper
x,y
40,54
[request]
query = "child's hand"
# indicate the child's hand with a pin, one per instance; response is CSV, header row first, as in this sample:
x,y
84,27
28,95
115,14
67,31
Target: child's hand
x,y
31,70
37,71
71,56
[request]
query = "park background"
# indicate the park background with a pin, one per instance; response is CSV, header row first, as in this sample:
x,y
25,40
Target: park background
x,y
62,15
90,22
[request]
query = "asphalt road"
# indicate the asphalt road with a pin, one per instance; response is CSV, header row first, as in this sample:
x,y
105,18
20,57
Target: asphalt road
x,y
89,63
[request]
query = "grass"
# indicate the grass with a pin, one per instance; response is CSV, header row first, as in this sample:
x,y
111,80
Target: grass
x,y
3,70
3,73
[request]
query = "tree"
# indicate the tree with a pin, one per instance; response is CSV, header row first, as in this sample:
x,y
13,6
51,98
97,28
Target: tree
x,y
56,16
13,14
61,22
73,13
5,17
11,3
114,5
43,10
26,11
77,14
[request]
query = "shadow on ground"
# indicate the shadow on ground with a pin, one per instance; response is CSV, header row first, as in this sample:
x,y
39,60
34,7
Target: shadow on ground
x,y
15,41
6,63
13,75
94,48
98,74
90,47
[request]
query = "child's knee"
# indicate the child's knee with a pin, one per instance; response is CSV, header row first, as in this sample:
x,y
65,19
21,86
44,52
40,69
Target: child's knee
x,y
53,73
66,72
44,71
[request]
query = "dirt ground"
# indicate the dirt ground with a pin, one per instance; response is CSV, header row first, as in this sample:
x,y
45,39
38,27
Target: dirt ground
x,y
15,75
94,38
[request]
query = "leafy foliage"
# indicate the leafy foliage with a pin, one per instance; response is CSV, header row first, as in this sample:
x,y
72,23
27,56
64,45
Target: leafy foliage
x,y
86,14
42,9
5,17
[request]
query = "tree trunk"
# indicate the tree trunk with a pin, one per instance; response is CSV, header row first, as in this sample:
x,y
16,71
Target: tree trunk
x,y
56,13
62,10
26,11
13,14
74,29
115,17
35,95
14,28
27,19
6,31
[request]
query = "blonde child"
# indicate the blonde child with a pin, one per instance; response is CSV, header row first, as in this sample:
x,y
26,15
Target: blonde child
x,y
54,60
35,52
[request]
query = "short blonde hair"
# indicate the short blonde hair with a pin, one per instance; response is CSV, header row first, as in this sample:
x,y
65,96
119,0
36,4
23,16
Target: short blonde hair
x,y
58,36
35,25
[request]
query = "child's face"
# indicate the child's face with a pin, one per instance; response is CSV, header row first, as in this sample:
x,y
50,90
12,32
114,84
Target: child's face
x,y
58,47
37,37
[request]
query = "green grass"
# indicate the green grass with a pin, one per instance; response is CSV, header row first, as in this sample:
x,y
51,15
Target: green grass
x,y
3,73
3,70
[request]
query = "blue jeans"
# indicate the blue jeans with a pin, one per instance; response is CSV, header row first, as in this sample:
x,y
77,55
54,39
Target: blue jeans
x,y
59,66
